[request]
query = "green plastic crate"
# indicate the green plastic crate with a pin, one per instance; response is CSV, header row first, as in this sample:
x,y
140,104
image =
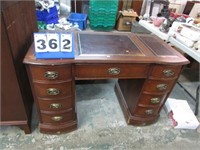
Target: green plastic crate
x,y
103,3
102,14
101,27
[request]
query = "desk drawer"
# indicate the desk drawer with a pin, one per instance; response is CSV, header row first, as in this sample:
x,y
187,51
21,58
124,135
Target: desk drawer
x,y
54,91
111,70
51,73
146,111
158,86
161,71
58,117
150,99
55,105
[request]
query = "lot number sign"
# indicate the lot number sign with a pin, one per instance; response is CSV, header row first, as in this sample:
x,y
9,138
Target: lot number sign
x,y
53,42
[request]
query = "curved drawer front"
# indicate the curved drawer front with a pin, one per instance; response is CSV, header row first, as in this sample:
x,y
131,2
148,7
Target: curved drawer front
x,y
158,86
161,71
58,117
55,105
153,100
59,90
52,128
145,111
51,73
111,70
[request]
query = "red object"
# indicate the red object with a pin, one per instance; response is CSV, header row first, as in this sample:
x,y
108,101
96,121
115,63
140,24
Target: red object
x,y
176,15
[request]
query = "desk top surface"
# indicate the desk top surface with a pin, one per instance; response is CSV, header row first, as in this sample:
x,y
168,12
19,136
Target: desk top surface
x,y
107,47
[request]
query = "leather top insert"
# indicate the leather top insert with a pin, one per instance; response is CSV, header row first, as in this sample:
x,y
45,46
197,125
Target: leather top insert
x,y
107,44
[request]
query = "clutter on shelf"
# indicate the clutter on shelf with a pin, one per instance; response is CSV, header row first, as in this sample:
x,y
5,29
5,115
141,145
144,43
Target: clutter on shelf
x,y
47,12
185,28
157,21
79,19
187,34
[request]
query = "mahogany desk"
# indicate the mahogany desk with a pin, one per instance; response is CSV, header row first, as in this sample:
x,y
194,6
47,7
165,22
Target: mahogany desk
x,y
146,67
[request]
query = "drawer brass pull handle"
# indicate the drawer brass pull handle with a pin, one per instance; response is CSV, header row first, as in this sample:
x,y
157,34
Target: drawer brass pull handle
x,y
57,118
51,75
149,111
55,105
114,71
168,73
155,100
53,91
161,87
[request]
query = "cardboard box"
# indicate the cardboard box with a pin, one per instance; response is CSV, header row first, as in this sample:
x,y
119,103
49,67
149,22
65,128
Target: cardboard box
x,y
180,114
125,19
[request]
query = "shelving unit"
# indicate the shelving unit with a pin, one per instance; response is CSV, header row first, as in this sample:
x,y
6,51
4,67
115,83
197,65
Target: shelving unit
x,y
191,52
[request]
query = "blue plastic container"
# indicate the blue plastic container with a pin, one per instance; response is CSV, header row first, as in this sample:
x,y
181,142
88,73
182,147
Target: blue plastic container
x,y
48,17
78,18
52,20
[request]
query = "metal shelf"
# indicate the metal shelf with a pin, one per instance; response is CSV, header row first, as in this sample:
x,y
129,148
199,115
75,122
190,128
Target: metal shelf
x,y
191,52
155,30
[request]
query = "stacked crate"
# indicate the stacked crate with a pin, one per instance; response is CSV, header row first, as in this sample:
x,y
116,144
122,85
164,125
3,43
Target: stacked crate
x,y
48,17
102,14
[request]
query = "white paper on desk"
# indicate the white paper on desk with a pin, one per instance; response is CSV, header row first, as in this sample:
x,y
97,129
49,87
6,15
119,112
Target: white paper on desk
x,y
181,114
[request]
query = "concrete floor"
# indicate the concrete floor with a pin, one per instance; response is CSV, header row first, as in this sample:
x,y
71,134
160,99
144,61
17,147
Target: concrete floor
x,y
101,125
